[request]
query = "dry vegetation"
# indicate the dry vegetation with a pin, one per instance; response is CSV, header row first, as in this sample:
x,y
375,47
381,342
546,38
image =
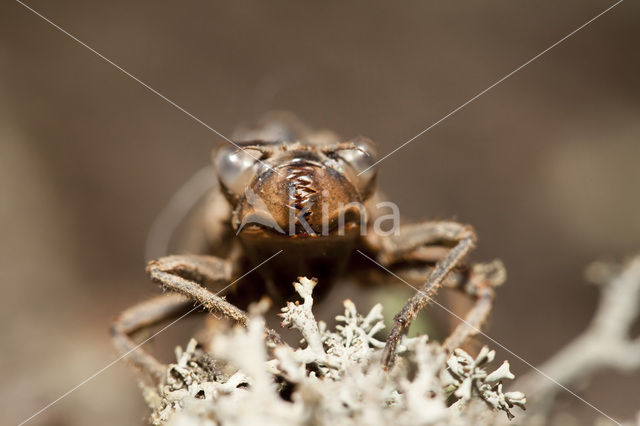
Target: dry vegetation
x,y
334,376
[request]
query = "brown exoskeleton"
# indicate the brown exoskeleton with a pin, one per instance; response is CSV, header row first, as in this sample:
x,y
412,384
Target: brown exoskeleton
x,y
304,201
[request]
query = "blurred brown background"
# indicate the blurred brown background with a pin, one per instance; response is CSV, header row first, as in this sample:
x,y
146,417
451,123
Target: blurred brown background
x,y
545,165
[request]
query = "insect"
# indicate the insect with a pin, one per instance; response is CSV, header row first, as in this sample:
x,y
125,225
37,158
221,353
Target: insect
x,y
305,201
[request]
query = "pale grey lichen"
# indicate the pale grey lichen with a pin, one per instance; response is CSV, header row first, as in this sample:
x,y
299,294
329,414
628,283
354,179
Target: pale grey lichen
x,y
335,377
607,344
466,376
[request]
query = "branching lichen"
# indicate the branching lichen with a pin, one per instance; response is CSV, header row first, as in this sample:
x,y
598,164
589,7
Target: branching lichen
x,y
605,345
335,377
465,375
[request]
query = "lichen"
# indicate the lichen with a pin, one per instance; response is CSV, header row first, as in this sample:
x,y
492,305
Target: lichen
x,y
334,377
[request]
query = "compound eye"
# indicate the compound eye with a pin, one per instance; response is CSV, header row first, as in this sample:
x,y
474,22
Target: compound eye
x,y
236,167
359,162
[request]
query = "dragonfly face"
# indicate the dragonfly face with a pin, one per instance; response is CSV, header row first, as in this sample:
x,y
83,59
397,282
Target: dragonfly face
x,y
304,199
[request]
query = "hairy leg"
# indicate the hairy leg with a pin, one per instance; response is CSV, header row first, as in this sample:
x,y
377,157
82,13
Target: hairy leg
x,y
142,315
476,282
183,274
480,286
413,244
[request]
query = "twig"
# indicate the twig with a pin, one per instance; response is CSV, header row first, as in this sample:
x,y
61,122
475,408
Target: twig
x,y
605,344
